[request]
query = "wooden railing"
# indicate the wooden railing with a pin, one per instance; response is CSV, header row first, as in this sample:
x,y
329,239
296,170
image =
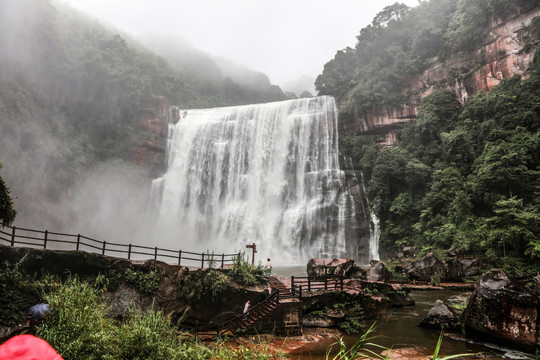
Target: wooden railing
x,y
233,323
44,239
312,283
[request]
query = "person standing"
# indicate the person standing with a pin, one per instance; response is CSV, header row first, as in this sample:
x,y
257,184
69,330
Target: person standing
x,y
246,309
268,267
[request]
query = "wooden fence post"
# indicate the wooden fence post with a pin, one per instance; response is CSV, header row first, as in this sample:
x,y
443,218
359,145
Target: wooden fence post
x,y
179,256
78,241
129,252
155,253
300,293
45,239
13,236
309,283
202,261
222,260
325,283
292,281
341,283
104,244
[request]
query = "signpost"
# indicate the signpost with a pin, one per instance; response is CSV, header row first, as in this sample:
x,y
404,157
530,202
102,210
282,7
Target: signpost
x,y
254,248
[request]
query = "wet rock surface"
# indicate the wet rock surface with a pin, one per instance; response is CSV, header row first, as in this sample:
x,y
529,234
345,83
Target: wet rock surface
x,y
501,309
321,267
441,316
426,268
378,272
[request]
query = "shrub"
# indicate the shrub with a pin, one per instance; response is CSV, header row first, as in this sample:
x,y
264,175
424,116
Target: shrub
x,y
151,336
245,274
354,321
77,326
203,283
19,293
145,283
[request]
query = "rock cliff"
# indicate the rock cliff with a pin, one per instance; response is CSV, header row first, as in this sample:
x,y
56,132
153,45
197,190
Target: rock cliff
x,y
152,136
507,51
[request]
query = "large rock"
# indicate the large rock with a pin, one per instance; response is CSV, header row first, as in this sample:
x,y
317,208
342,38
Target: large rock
x,y
321,267
426,268
461,269
536,285
502,309
441,316
356,272
378,272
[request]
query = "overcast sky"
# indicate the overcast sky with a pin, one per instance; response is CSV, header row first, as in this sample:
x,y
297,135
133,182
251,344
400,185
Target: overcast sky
x,y
285,39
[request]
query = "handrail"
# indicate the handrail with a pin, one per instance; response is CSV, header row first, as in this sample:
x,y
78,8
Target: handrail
x,y
13,238
232,323
324,282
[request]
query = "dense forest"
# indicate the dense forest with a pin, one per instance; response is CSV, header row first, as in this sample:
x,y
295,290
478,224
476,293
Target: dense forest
x,y
461,176
72,93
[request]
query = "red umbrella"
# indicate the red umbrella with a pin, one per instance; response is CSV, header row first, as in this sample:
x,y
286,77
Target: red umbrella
x,y
27,347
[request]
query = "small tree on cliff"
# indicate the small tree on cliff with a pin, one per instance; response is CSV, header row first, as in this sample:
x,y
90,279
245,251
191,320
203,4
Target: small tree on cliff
x,y
7,212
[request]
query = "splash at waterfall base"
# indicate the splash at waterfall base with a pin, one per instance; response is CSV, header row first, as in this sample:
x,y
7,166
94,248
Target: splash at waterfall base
x,y
266,173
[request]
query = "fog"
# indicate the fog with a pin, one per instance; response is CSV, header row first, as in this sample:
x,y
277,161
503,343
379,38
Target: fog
x,y
283,39
53,186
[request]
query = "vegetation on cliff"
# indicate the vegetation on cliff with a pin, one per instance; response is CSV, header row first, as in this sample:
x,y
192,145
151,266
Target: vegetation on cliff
x,y
463,177
7,211
402,42
74,93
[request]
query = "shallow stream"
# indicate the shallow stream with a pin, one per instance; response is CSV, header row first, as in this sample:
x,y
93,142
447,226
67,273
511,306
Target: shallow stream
x,y
399,329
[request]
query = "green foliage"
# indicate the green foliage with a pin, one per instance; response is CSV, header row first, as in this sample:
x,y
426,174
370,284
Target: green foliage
x,y
151,336
202,283
77,326
7,211
145,282
402,42
363,348
19,293
246,275
354,320
465,177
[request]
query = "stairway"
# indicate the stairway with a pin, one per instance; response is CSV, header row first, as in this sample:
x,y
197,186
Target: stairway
x,y
281,296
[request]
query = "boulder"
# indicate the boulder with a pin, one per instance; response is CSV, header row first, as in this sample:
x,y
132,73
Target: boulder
x,y
460,269
321,267
502,309
426,268
378,272
122,298
356,272
409,251
536,285
441,317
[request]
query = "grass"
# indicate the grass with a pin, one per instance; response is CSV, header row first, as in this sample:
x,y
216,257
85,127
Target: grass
x,y
78,328
365,349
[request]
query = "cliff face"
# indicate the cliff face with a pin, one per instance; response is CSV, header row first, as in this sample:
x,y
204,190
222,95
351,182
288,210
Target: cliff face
x,y
506,52
152,139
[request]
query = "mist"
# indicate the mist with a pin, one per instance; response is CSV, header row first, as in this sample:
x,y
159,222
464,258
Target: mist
x,y
76,98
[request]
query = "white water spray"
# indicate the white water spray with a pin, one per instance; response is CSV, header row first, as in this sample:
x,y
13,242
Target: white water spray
x,y
265,173
374,229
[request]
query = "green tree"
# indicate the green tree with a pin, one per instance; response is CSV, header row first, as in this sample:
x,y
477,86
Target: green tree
x,y
514,227
7,211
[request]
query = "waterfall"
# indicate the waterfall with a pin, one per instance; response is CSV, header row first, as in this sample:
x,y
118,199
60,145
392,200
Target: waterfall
x,y
374,229
266,174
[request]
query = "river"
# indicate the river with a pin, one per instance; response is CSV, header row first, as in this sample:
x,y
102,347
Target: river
x,y
399,329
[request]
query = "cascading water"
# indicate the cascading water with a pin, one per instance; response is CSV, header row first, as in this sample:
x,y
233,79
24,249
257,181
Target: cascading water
x,y
266,173
374,230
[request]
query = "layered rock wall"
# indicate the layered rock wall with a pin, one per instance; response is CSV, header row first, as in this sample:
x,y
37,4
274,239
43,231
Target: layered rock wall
x,y
505,53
